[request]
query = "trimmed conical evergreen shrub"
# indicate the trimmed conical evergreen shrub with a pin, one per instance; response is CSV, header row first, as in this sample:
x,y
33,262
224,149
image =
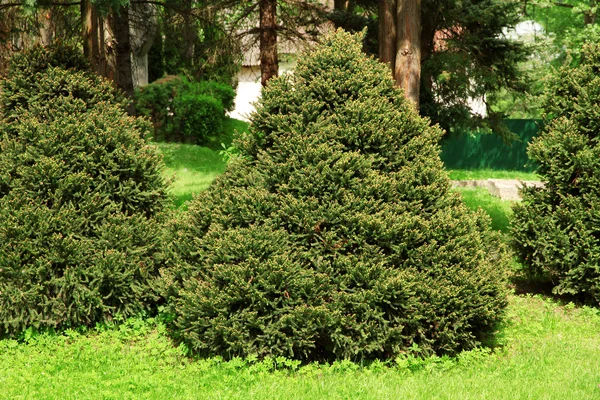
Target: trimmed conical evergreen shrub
x,y
557,229
80,199
334,234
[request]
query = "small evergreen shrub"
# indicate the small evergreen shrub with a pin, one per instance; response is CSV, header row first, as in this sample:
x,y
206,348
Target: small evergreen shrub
x,y
556,230
197,116
185,111
334,233
81,202
224,93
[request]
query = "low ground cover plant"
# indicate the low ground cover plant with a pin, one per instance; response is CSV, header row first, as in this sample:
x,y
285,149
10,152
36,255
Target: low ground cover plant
x,y
334,233
556,229
81,198
185,111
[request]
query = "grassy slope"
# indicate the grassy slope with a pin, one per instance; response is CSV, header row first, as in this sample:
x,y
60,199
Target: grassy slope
x,y
549,352
191,168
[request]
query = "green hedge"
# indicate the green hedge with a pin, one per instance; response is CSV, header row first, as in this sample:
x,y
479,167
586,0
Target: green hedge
x,y
185,111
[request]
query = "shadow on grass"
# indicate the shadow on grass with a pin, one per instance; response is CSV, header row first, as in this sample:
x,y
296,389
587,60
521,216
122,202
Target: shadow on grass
x,y
525,283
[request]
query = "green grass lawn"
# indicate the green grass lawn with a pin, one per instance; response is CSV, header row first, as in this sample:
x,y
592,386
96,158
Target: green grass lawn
x,y
499,210
480,174
546,351
192,168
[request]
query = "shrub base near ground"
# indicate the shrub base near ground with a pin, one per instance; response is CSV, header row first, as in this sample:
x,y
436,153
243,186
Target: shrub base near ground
x,y
81,203
334,234
556,230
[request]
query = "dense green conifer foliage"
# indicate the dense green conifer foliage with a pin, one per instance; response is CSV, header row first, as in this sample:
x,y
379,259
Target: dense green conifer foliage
x,y
334,234
556,229
80,197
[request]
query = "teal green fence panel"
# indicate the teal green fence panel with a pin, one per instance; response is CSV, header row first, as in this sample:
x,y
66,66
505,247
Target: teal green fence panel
x,y
488,151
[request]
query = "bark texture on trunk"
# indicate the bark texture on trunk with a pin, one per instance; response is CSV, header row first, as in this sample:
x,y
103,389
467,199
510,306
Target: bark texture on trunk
x,y
122,39
95,36
46,28
269,63
407,70
387,32
190,31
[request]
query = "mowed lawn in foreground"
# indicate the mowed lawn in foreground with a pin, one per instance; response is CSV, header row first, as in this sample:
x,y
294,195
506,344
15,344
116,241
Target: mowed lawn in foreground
x,y
546,351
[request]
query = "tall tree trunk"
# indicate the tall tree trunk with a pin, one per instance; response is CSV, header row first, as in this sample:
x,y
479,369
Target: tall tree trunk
x,y
143,27
387,32
122,51
90,34
407,71
189,31
46,27
269,64
589,18
94,40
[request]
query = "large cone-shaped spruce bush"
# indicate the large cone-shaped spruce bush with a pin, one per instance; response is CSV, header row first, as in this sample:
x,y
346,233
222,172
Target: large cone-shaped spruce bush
x,y
81,196
334,234
557,228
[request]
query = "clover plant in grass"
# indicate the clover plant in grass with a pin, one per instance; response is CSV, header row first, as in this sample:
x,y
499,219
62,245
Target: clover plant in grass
x,y
556,229
81,198
334,234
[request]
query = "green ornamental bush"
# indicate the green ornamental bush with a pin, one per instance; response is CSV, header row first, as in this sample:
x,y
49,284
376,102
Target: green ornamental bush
x,y
185,111
556,229
335,233
81,202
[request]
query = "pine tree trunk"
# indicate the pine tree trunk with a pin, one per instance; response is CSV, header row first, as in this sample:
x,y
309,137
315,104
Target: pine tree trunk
x,y
189,31
407,71
120,28
91,36
269,64
387,32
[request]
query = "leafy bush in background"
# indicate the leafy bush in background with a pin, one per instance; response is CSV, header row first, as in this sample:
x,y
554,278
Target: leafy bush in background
x,y
81,199
334,234
557,229
185,111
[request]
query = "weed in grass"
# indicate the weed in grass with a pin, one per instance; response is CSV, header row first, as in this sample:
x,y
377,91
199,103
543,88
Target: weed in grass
x,y
231,128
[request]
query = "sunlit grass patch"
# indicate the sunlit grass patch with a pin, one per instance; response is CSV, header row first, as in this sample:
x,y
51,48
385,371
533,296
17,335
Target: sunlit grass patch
x,y
191,168
499,210
481,174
